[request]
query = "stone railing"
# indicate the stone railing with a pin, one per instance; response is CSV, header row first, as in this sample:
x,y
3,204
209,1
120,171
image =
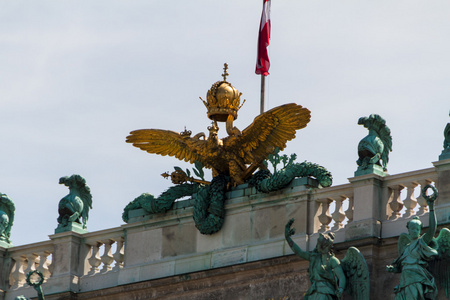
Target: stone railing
x,y
156,246
28,258
67,261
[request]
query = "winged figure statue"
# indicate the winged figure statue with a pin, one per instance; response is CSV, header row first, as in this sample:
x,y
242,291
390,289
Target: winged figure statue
x,y
7,211
375,147
417,281
75,206
329,277
237,155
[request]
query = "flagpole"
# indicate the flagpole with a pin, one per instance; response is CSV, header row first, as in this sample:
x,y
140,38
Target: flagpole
x,y
263,92
262,60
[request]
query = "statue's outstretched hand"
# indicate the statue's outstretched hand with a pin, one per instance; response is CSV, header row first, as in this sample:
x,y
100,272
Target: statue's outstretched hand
x,y
288,231
430,198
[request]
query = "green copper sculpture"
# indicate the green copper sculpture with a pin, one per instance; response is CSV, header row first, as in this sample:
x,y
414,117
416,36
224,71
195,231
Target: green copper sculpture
x,y
209,197
446,152
7,210
373,150
74,208
329,277
416,252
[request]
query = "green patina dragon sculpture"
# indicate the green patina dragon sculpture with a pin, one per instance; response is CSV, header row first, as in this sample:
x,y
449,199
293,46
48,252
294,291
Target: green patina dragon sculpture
x,y
209,205
233,159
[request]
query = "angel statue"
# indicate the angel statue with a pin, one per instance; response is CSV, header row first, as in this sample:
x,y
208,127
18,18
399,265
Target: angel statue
x,y
416,252
329,276
7,209
74,208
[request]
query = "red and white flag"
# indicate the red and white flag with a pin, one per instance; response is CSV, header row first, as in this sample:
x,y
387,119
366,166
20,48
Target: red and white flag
x,y
262,62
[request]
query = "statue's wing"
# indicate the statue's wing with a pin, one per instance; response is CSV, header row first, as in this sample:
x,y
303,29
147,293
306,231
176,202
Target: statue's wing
x,y
7,206
166,142
439,267
357,274
383,131
87,202
269,130
403,240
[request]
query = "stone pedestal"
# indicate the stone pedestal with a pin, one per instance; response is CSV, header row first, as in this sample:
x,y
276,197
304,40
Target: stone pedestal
x,y
367,207
371,169
5,270
69,262
72,226
443,186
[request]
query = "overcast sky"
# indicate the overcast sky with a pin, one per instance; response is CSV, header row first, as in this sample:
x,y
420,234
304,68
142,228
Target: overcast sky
x,y
77,76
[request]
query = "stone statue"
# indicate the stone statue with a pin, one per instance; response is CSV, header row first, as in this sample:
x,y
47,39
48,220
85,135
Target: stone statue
x,y
330,277
74,208
7,209
373,150
416,252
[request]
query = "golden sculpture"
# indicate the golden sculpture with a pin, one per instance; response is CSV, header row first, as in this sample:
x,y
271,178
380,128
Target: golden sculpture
x,y
240,153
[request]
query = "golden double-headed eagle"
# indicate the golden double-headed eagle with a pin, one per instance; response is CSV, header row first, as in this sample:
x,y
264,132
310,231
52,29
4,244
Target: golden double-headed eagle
x,y
240,153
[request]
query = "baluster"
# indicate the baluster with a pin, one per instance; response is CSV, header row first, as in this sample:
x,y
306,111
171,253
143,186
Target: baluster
x,y
43,264
396,205
325,217
423,205
349,211
118,255
107,258
338,214
18,275
50,264
31,263
410,201
95,260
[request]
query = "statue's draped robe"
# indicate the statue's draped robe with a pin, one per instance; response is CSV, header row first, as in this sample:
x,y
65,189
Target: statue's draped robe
x,y
323,282
416,282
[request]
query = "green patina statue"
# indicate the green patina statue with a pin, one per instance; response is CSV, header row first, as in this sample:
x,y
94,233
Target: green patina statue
x,y
446,152
209,205
7,209
74,208
329,276
373,150
422,258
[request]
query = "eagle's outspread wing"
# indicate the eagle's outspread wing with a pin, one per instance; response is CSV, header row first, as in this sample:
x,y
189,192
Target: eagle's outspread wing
x,y
269,130
166,142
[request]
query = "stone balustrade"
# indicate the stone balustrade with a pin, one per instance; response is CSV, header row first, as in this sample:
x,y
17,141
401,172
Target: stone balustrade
x,y
27,258
156,246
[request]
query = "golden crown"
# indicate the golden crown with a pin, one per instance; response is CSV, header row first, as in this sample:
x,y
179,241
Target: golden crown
x,y
223,99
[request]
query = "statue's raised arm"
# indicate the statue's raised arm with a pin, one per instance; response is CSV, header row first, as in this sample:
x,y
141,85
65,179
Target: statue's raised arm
x,y
288,232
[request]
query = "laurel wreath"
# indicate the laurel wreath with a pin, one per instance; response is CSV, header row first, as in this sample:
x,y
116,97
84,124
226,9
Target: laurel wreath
x,y
35,284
